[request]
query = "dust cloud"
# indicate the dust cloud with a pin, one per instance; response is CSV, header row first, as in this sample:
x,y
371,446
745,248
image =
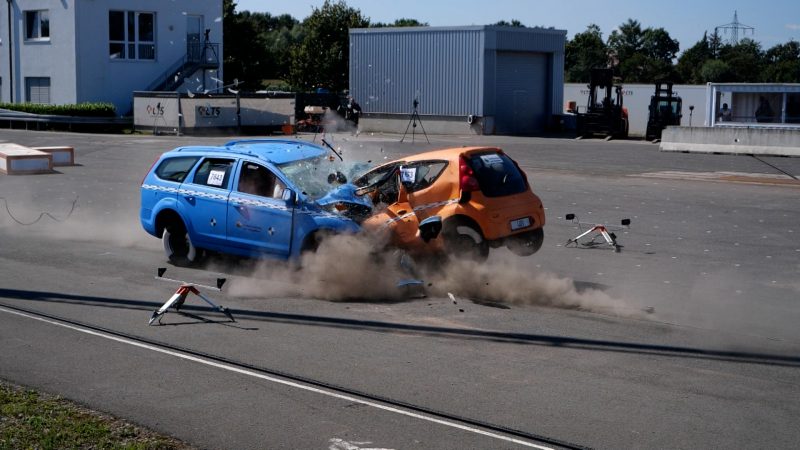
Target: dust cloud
x,y
332,122
348,268
75,220
504,279
344,267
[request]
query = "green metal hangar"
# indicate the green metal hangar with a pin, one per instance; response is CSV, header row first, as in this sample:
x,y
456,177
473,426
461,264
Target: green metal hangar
x,y
471,79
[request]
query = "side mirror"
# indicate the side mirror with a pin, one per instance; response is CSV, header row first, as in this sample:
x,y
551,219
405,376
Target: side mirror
x,y
570,217
290,197
430,228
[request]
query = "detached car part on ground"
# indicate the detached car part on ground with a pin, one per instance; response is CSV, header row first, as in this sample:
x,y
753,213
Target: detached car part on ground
x,y
276,198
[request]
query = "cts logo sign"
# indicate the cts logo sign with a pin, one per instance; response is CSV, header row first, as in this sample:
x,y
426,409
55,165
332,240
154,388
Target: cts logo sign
x,y
209,111
155,111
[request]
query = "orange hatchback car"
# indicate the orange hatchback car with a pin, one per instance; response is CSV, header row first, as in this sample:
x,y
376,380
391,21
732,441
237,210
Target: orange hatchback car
x,y
482,196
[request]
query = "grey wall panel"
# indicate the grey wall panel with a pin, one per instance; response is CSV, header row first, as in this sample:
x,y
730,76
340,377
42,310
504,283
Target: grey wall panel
x,y
522,94
557,83
528,39
440,68
490,81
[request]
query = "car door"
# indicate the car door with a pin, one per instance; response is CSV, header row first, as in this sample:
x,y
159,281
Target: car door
x,y
425,196
203,199
259,219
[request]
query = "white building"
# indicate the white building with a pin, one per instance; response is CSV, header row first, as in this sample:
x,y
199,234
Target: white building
x,y
74,51
636,97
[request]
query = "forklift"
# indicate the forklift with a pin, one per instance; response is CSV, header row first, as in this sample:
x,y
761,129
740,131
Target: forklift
x,y
604,116
665,110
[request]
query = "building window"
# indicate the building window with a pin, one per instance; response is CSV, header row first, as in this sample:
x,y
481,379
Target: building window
x,y
131,35
37,90
37,25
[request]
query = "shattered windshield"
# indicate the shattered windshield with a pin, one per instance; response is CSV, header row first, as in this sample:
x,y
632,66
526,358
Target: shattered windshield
x,y
315,177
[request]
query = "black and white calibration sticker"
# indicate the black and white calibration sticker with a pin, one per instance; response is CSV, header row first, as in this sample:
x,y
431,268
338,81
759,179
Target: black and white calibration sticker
x,y
492,159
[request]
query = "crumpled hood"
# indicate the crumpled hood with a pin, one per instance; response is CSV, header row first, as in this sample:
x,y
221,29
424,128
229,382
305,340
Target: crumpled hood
x,y
345,193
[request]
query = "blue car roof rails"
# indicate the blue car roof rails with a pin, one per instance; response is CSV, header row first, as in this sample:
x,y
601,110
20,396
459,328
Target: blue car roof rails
x,y
200,148
267,141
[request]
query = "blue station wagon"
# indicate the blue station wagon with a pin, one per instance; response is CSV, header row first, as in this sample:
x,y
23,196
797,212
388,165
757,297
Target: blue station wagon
x,y
251,198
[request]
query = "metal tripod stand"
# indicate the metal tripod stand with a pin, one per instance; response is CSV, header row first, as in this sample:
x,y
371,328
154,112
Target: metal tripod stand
x,y
412,122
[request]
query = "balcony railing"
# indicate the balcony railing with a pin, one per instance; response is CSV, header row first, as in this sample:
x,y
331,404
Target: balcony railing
x,y
203,53
199,55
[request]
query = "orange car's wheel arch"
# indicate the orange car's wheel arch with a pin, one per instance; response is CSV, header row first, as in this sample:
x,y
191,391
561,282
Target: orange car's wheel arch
x,y
463,238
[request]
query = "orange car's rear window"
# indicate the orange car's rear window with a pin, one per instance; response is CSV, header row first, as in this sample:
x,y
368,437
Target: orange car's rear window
x,y
497,174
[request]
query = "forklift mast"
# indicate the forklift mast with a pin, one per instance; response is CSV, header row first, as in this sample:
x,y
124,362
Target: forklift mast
x,y
665,110
603,116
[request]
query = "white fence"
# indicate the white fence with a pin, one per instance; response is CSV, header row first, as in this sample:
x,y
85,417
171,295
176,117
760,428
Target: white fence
x,y
171,112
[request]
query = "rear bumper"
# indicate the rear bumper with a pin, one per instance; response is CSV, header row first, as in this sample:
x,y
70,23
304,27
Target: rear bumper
x,y
495,215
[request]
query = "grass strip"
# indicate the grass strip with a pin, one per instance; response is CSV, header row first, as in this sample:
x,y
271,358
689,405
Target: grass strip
x,y
34,420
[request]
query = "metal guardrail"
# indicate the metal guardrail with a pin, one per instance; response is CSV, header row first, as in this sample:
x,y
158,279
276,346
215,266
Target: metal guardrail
x,y
42,119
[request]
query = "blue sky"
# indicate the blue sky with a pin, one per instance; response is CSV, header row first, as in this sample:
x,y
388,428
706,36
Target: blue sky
x,y
775,21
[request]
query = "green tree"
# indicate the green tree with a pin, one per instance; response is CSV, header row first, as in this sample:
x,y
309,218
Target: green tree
x,y
716,71
584,52
279,34
625,41
404,22
320,60
746,61
642,56
783,63
513,23
659,50
692,60
256,45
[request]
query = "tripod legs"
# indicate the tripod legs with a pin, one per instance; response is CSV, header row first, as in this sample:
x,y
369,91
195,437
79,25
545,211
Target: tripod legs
x,y
413,121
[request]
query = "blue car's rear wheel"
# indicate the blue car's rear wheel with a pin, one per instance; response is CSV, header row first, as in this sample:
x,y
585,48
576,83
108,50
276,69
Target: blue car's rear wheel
x,y
178,246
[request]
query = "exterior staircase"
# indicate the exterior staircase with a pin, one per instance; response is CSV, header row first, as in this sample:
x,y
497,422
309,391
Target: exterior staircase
x,y
199,56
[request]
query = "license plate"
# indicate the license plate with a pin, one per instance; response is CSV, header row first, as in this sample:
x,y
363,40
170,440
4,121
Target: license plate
x,y
520,223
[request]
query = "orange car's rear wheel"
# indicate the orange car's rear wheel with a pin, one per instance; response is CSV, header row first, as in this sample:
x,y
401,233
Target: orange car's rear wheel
x,y
526,244
463,239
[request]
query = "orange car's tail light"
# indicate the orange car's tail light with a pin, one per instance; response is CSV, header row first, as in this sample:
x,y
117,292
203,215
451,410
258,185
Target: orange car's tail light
x,y
466,177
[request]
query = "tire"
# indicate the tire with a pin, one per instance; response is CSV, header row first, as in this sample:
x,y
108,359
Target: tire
x,y
309,246
526,244
463,239
178,247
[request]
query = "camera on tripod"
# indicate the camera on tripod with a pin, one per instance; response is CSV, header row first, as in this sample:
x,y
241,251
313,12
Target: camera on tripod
x,y
412,123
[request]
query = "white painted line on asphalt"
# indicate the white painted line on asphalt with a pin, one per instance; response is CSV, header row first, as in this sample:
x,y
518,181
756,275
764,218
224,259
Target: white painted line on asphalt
x,y
293,384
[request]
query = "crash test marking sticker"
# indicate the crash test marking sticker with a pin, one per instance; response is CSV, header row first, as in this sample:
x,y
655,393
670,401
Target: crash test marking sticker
x,y
408,174
520,223
215,177
491,160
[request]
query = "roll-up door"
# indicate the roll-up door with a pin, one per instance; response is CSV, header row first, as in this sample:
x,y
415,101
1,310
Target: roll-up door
x,y
521,92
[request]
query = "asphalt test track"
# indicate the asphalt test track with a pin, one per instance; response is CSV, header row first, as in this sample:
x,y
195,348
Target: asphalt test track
x,y
715,365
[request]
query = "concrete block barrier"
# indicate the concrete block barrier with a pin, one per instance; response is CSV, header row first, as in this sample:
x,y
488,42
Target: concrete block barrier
x,y
17,160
